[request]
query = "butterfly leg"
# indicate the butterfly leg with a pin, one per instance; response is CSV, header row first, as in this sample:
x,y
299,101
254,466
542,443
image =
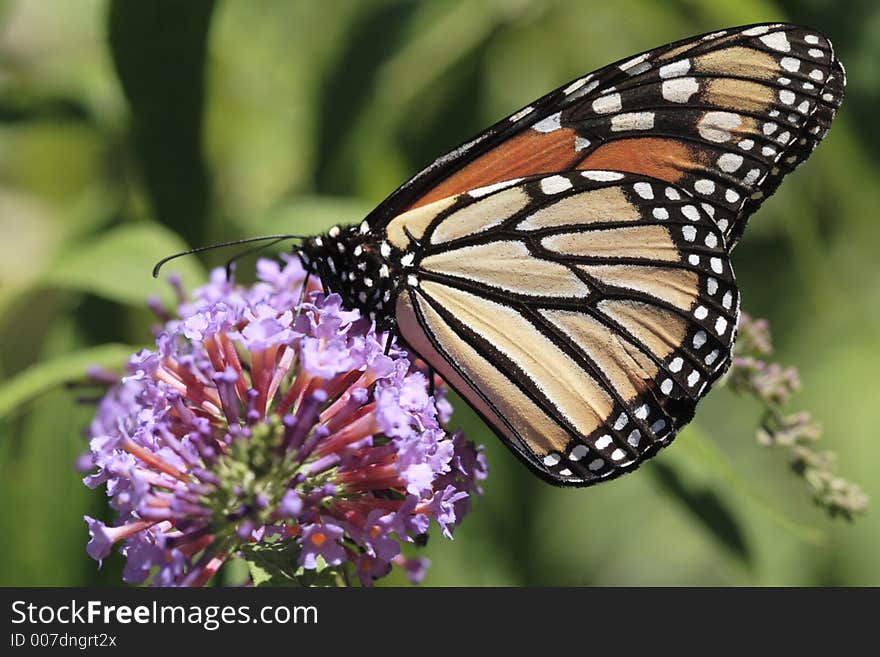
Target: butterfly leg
x,y
390,329
302,293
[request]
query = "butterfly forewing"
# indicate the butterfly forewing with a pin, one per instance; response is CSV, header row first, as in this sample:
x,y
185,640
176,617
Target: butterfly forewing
x,y
725,115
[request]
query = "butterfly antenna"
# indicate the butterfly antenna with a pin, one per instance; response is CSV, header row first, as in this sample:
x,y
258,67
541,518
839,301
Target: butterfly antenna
x,y
255,249
273,239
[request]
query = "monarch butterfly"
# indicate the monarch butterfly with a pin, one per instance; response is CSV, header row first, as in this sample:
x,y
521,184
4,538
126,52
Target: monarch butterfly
x,y
568,270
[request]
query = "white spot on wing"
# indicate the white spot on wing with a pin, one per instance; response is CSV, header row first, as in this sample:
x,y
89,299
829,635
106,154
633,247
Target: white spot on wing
x,y
580,144
602,176
704,186
679,90
675,69
690,212
525,111
636,65
716,126
549,124
632,121
555,184
606,104
776,41
730,162
644,190
488,189
574,86
790,64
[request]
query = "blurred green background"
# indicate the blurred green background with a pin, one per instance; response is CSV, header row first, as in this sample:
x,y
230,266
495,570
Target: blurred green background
x,y
131,129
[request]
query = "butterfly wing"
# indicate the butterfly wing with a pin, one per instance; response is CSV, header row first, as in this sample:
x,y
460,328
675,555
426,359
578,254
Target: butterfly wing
x,y
582,314
567,271
724,115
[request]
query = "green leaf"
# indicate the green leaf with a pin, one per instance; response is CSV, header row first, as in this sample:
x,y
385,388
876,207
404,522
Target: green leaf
x,y
308,215
44,498
118,265
707,506
275,564
272,564
159,50
42,377
697,447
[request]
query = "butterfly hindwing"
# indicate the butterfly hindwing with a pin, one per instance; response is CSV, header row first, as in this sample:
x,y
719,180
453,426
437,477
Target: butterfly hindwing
x,y
724,115
582,314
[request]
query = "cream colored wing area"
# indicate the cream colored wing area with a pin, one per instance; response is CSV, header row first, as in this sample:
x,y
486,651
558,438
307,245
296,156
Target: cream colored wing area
x,y
738,95
662,331
512,413
628,370
677,287
598,205
509,266
480,216
577,396
739,61
415,221
645,242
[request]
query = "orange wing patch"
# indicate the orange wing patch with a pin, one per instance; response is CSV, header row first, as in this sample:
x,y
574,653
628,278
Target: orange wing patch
x,y
666,159
527,154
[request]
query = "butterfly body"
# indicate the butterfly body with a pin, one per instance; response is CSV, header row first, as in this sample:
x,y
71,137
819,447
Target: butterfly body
x,y
568,271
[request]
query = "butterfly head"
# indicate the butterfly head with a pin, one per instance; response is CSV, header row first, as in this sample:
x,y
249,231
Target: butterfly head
x,y
352,262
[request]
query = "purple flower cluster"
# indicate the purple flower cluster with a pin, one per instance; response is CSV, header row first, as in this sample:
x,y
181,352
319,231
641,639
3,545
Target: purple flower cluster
x,y
266,415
